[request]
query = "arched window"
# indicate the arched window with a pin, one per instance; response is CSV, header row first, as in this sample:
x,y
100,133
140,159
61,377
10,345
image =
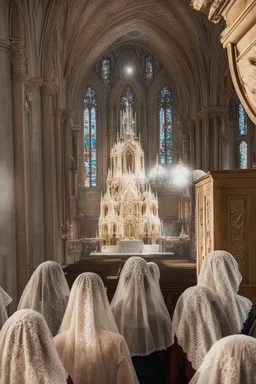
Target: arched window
x,y
106,70
148,65
165,125
242,135
90,138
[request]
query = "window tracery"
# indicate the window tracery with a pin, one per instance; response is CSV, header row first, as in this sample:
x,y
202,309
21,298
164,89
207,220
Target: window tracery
x,y
165,125
90,138
242,135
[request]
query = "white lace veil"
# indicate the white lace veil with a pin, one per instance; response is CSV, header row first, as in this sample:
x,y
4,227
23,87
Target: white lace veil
x,y
230,361
89,345
220,273
154,270
139,310
198,322
5,300
27,352
47,292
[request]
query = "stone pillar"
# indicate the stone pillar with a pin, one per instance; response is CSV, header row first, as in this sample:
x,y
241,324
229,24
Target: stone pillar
x,y
59,180
21,163
8,268
37,211
215,143
191,130
185,146
76,130
198,143
205,140
49,172
68,159
224,141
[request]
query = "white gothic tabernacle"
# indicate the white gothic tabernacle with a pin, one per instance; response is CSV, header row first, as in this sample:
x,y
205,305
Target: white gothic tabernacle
x,y
129,208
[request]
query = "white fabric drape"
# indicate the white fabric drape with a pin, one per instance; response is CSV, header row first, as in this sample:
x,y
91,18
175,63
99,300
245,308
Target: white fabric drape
x,y
27,352
230,361
139,310
89,345
154,270
198,322
5,300
220,273
47,292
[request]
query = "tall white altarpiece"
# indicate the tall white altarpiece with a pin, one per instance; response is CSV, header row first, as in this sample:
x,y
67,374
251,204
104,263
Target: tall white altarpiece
x,y
129,208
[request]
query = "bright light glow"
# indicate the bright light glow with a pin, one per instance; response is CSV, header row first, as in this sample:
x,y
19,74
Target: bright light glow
x,y
129,70
158,175
180,176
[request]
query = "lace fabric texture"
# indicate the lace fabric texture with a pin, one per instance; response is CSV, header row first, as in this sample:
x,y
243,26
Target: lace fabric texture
x,y
47,292
230,361
140,311
27,352
154,270
5,300
89,345
198,322
220,273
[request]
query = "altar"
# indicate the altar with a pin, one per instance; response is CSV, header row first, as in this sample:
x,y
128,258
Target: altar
x,y
130,246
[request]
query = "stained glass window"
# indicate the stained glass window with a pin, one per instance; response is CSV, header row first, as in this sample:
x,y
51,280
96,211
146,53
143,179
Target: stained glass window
x,y
106,70
243,155
90,138
148,68
165,125
242,120
127,95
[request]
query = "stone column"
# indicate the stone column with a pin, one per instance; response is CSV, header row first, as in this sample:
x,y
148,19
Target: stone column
x,y
205,139
68,160
37,212
76,130
191,131
215,144
224,141
21,163
198,143
185,146
59,180
8,268
49,171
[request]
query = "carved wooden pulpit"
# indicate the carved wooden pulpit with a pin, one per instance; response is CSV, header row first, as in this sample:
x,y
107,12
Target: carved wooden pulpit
x,y
226,219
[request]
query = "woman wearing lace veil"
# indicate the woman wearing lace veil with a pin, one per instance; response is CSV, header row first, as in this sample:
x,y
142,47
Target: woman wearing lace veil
x,y
142,318
47,292
198,322
5,300
89,345
154,270
230,361
220,273
27,352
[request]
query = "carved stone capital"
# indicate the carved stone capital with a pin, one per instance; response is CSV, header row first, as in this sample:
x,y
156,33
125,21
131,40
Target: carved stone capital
x,y
212,8
49,88
18,56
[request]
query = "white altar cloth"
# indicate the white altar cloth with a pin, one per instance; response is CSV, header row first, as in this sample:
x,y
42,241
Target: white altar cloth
x,y
130,246
109,249
151,248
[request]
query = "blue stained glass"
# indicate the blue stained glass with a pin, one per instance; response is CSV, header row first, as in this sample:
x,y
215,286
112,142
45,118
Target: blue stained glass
x,y
165,125
243,155
165,95
162,135
106,70
148,68
242,120
90,138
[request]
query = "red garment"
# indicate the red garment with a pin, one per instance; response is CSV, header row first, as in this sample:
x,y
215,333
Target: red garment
x,y
180,370
69,380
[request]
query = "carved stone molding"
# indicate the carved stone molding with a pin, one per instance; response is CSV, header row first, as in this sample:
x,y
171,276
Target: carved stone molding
x,y
5,45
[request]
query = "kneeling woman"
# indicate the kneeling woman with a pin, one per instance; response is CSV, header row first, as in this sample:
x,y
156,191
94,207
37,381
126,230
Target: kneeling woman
x,y
143,320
